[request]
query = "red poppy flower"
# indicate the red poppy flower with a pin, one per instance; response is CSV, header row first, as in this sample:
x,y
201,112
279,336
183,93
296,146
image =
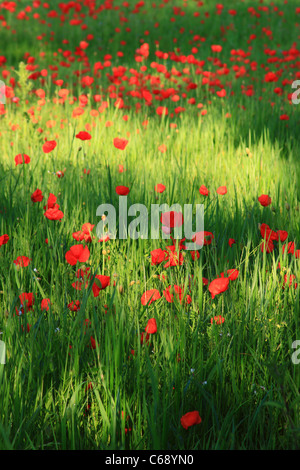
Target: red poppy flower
x,y
45,304
222,190
174,259
169,296
74,306
190,419
22,261
158,256
87,81
178,293
120,143
282,235
290,280
267,233
93,342
77,253
172,219
203,190
159,188
271,77
151,327
145,338
54,214
78,285
87,228
231,242
216,48
195,255
264,200
83,273
162,111
122,190
180,245
233,274
84,233
104,239
267,246
27,301
218,286
162,148
51,203
19,159
77,112
83,135
217,319
203,238
101,282
4,239
290,248
49,146
221,93
37,196
150,296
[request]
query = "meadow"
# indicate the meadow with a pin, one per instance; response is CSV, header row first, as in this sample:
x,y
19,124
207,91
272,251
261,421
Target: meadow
x,y
123,344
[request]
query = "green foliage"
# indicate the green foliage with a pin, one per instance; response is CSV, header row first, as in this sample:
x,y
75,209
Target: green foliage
x,y
25,85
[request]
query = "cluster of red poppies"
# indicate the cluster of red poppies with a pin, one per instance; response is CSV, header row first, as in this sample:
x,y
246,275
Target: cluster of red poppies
x,y
168,79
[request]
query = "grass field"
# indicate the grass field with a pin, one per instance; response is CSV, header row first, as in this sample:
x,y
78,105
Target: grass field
x,y
81,371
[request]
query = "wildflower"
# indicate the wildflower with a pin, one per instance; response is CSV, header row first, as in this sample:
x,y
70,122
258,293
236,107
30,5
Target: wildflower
x,y
190,419
264,200
159,188
203,190
22,261
100,283
218,286
54,214
37,196
49,146
222,190
4,239
150,296
151,327
19,159
122,190
120,143
74,306
83,135
77,253
217,319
